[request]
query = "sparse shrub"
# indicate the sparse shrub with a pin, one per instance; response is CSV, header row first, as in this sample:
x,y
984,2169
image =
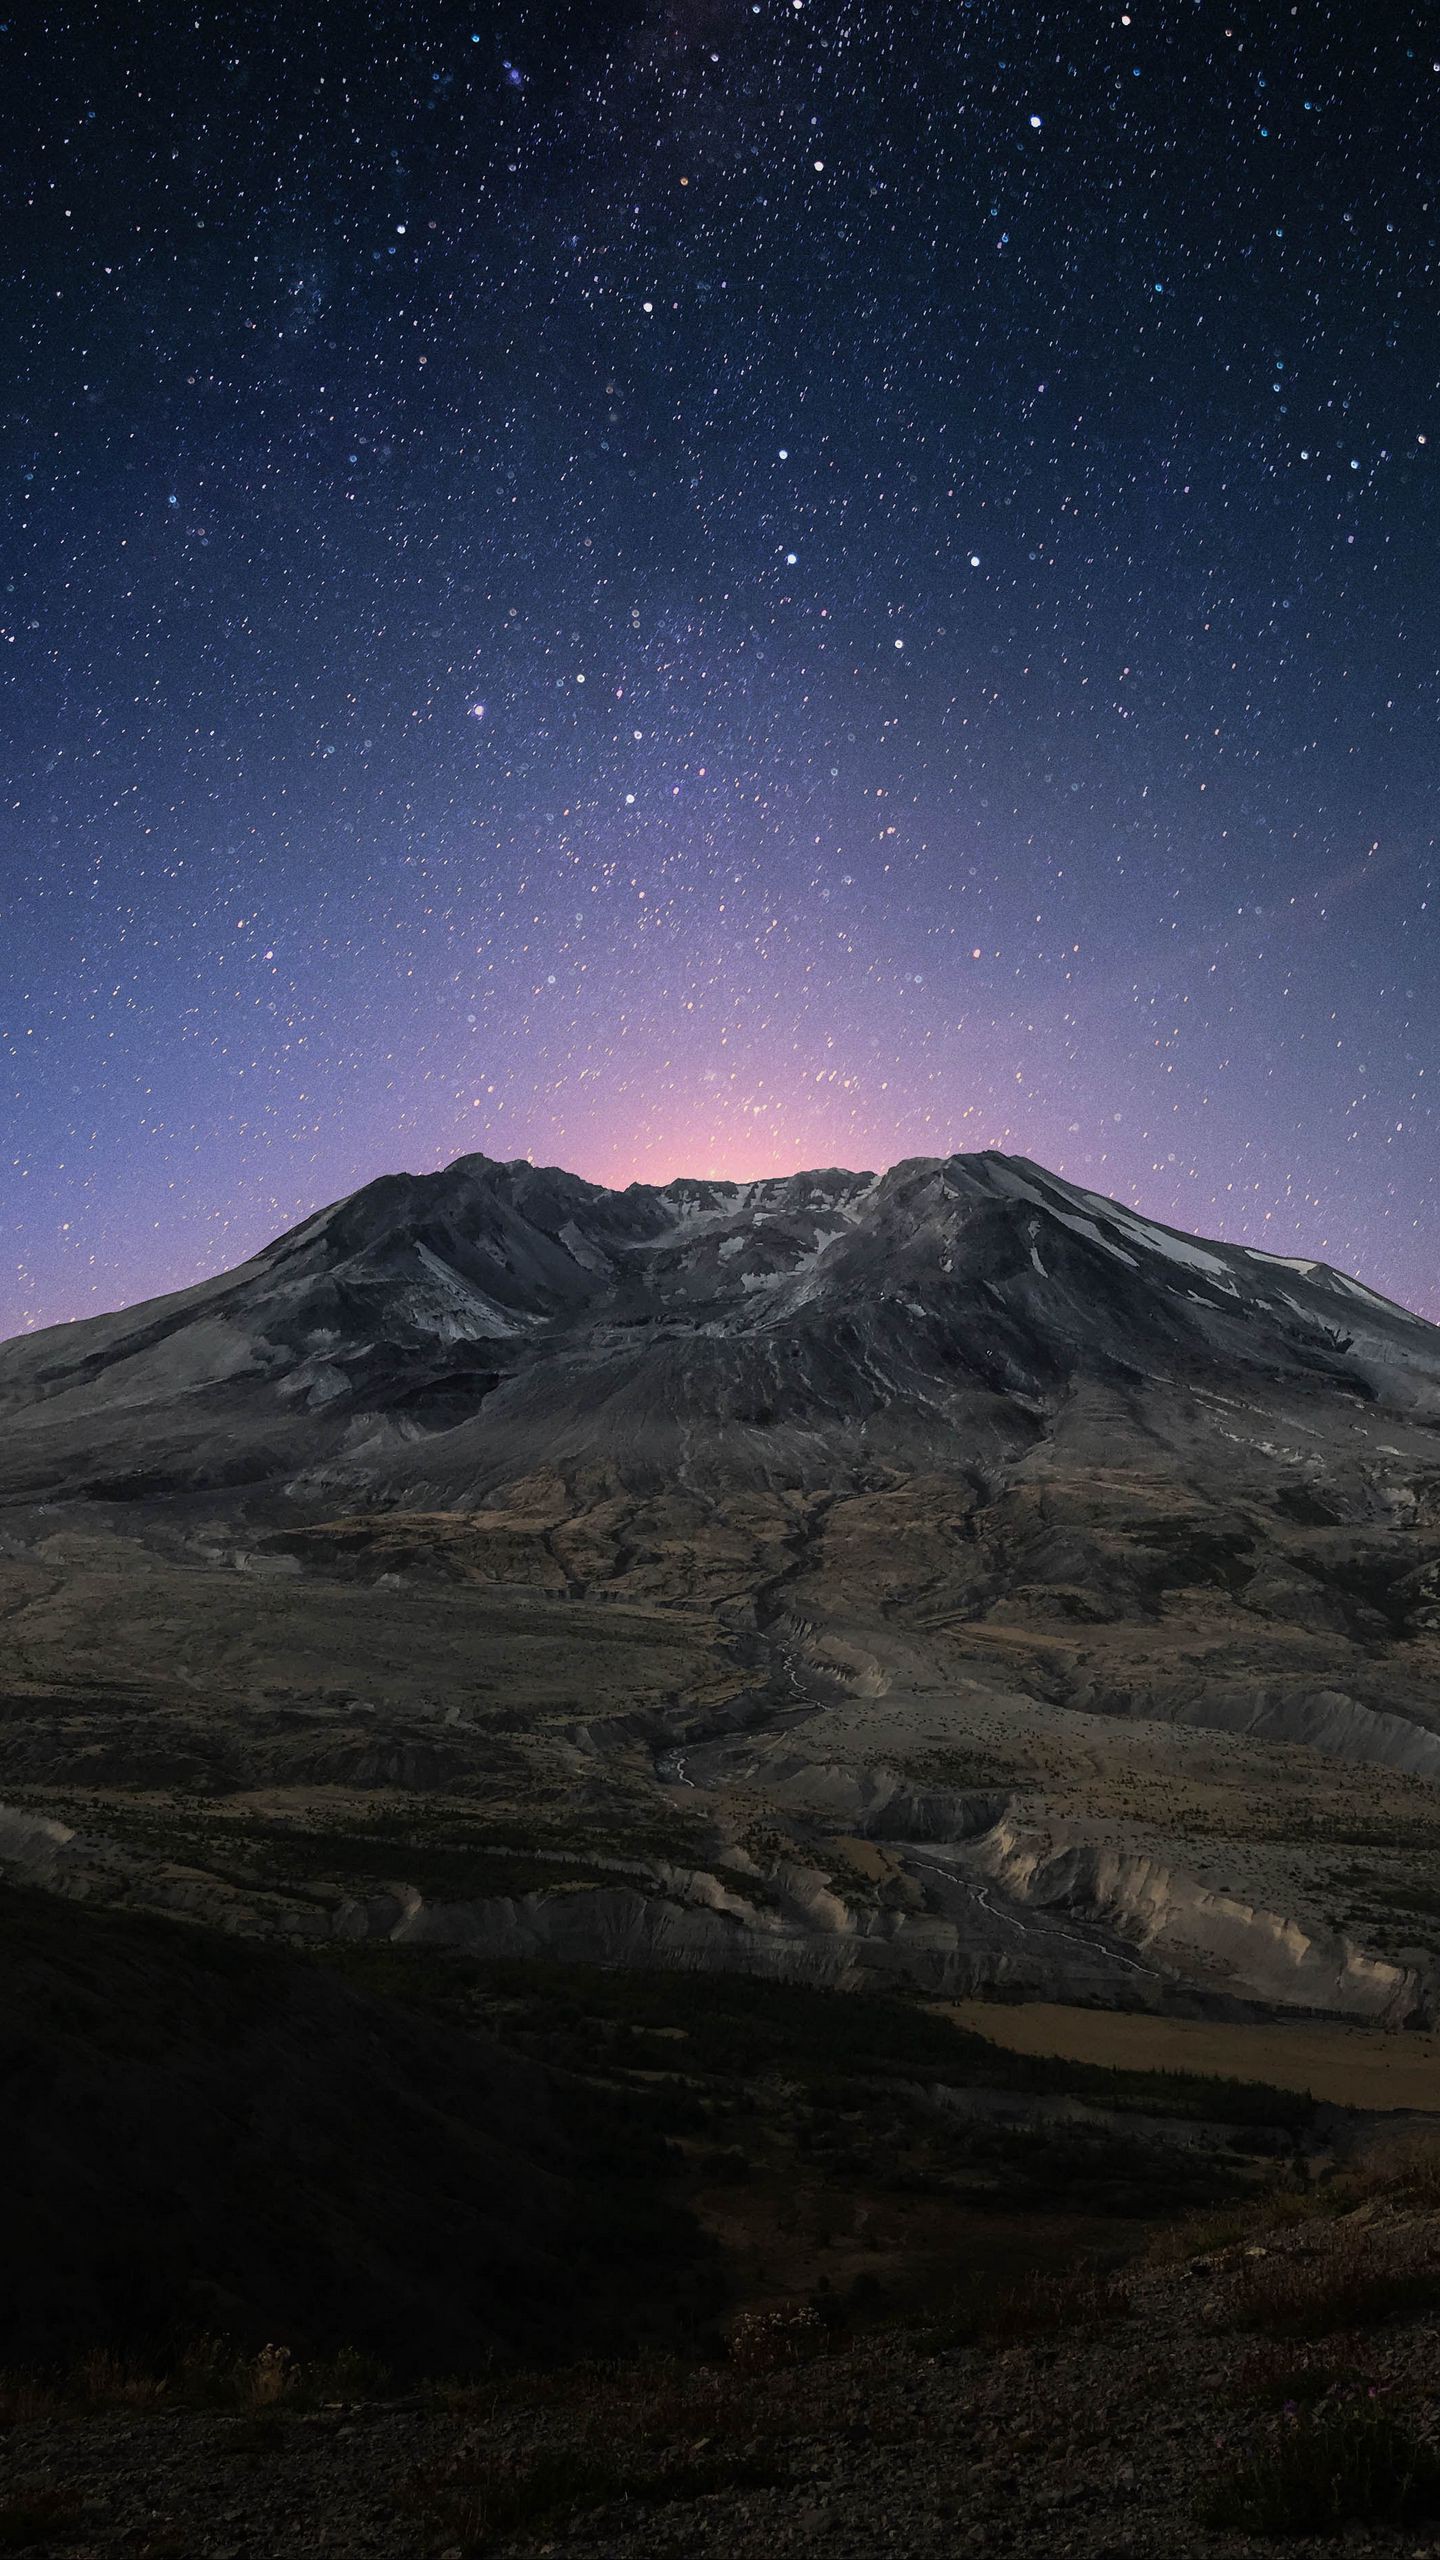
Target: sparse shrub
x,y
762,2341
25,2396
1407,2171
1206,2234
1359,2277
1320,2473
109,2381
1286,2378
1037,2306
482,2497
271,2377
347,2375
209,2373
655,2402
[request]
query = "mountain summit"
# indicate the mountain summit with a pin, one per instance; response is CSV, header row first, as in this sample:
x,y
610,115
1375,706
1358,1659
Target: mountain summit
x,y
436,1336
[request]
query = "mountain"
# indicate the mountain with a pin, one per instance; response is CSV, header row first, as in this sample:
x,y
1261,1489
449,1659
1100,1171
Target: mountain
x,y
426,1338
947,1575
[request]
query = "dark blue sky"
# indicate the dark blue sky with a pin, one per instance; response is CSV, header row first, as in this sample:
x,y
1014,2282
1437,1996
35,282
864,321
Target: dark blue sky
x,y
709,586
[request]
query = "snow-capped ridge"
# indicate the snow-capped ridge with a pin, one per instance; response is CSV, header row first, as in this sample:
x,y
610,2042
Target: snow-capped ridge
x,y
459,1326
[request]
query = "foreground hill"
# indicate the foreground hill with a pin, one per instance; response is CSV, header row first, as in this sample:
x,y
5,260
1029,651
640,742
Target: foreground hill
x,y
206,2138
1262,2382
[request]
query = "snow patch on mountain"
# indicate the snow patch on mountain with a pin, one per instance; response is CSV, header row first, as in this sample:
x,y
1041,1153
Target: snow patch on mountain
x,y
458,1309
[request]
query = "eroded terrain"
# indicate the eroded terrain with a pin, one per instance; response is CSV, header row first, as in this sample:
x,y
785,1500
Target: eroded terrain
x,y
1060,1743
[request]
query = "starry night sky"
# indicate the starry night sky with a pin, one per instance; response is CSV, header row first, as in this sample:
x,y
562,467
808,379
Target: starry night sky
x,y
684,585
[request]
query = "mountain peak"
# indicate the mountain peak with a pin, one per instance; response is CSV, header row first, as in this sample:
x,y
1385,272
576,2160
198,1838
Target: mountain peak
x,y
448,1330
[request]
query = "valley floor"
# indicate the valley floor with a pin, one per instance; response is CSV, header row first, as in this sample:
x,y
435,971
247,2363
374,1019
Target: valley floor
x,y
1341,2065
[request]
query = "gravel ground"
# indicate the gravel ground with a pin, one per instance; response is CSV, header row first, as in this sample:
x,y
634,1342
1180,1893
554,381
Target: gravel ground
x,y
1099,2440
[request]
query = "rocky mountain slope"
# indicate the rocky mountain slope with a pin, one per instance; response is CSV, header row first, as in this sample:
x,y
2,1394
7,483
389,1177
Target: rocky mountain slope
x,y
435,1336
948,1576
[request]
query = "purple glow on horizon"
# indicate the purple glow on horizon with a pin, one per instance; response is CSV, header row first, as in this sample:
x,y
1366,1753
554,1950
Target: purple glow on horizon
x,y
671,594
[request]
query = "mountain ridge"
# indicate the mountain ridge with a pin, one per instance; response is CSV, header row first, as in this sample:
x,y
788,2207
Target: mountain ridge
x,y
697,1187
945,1297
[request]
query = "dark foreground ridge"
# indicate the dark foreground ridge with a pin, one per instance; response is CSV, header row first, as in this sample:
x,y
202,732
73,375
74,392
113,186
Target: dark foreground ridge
x,y
209,2139
1259,2382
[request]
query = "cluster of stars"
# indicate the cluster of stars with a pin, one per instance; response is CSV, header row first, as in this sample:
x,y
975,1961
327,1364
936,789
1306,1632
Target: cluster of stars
x,y
714,588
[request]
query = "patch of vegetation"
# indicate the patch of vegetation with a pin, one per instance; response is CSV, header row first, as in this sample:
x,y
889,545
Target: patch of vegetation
x,y
445,1870
207,2373
484,2497
1037,2306
441,1857
1286,2378
826,2115
536,1813
845,2089
652,2400
1405,2171
1362,2279
735,2027
1087,2169
1320,2473
442,1850
965,1769
1390,1892
1322,1826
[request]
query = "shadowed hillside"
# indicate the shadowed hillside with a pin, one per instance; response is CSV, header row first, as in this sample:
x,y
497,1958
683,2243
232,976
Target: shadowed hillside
x,y
204,2137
